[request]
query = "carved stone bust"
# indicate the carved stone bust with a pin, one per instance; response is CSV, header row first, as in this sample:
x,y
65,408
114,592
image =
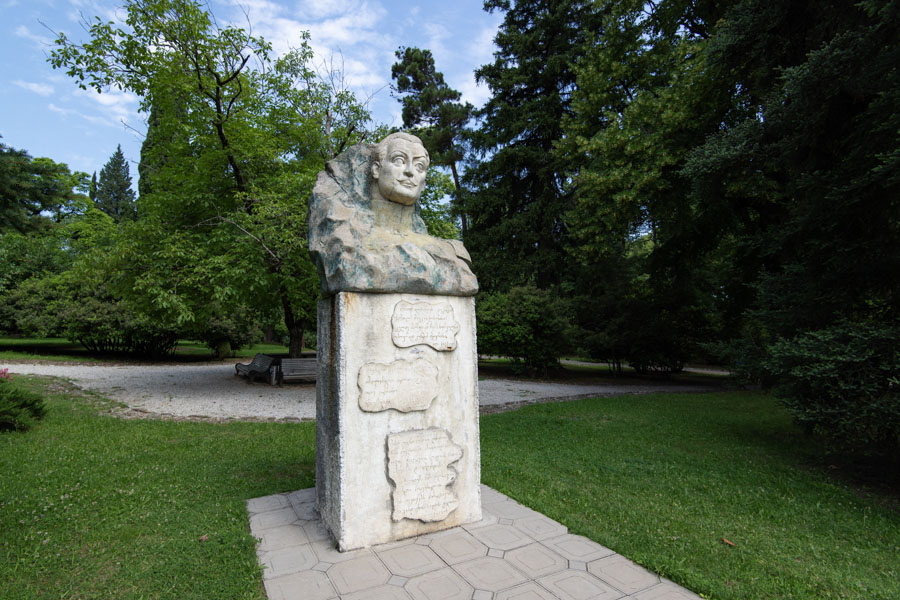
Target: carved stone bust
x,y
365,229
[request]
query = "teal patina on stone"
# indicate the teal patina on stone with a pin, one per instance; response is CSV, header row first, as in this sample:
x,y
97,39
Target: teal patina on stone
x,y
365,229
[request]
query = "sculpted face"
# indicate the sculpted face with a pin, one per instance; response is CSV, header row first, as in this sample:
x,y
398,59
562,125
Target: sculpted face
x,y
400,175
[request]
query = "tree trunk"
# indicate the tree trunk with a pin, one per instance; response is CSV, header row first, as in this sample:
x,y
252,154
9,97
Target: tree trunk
x,y
294,327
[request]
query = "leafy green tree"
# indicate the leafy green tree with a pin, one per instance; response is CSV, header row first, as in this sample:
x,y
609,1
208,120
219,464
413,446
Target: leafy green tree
x,y
436,214
432,110
235,147
112,192
36,192
528,325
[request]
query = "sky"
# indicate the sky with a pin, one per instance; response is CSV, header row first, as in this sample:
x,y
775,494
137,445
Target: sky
x,y
44,112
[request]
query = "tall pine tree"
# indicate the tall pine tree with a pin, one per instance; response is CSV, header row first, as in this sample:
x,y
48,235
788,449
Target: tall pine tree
x,y
516,208
113,194
433,110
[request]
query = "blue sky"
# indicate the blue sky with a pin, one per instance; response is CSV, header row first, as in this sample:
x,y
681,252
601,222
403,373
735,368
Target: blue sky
x,y
44,112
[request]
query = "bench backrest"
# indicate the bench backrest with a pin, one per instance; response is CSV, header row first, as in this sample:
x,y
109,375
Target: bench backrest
x,y
293,364
263,361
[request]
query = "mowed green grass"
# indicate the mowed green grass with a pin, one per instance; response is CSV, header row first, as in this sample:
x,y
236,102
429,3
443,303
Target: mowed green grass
x,y
665,479
97,507
92,506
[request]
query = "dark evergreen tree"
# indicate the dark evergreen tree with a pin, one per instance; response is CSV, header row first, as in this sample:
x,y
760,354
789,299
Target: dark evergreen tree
x,y
518,199
113,194
432,110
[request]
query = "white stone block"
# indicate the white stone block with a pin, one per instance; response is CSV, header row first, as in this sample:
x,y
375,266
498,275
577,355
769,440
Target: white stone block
x,y
397,379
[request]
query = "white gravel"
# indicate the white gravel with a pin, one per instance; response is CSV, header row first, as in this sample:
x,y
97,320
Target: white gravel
x,y
213,391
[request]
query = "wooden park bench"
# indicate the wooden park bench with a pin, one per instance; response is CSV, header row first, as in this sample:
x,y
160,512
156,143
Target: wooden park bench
x,y
292,369
258,367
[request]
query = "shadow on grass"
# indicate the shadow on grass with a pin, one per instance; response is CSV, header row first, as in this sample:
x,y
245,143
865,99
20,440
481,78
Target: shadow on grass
x,y
63,350
599,374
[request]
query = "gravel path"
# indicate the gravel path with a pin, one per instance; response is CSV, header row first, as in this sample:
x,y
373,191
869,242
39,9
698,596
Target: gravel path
x,y
212,391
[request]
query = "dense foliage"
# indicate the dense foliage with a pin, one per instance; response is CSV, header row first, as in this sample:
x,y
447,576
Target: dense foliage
x,y
842,382
529,325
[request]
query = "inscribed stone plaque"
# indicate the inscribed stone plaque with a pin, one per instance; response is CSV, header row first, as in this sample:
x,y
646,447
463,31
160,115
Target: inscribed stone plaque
x,y
424,323
419,466
403,385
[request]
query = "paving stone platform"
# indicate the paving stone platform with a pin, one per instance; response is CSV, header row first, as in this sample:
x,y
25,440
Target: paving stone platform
x,y
513,553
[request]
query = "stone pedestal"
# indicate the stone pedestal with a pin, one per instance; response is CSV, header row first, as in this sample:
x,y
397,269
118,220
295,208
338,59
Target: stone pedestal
x,y
397,447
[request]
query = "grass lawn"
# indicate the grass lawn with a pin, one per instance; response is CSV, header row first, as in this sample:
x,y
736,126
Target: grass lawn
x,y
96,507
663,479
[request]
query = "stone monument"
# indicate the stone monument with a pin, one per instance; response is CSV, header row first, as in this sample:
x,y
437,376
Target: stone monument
x,y
397,448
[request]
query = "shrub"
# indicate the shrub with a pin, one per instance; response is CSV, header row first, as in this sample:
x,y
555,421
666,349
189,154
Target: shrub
x,y
840,382
19,409
226,331
106,325
528,325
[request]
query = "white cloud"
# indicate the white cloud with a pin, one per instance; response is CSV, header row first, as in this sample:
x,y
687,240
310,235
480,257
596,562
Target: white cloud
x,y
109,109
115,107
323,9
41,89
24,32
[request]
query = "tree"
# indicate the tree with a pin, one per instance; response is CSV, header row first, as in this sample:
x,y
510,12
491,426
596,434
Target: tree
x,y
237,139
113,194
517,200
644,100
36,192
434,211
433,111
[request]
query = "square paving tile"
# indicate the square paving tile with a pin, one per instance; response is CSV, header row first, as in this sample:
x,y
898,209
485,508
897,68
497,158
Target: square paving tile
x,y
327,552
489,495
305,510
358,574
536,560
576,547
272,518
509,510
526,591
502,537
623,574
458,546
287,561
445,584
301,496
282,537
316,531
307,585
267,503
490,574
384,592
578,585
539,527
486,519
666,591
410,560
